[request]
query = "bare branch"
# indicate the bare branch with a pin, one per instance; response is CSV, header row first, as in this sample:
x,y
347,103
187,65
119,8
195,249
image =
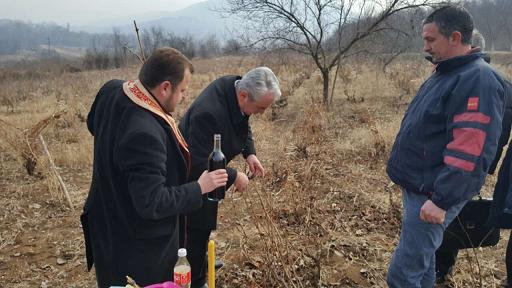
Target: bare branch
x,y
125,46
140,43
326,30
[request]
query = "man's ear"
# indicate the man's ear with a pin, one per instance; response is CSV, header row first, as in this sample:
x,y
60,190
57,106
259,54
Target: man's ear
x,y
167,85
456,37
161,90
243,95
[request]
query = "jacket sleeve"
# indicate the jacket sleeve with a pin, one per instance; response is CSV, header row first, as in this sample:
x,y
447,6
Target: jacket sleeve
x,y
202,126
249,144
505,126
141,157
474,124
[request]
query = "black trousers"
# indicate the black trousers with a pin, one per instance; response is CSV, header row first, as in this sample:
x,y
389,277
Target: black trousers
x,y
446,255
197,246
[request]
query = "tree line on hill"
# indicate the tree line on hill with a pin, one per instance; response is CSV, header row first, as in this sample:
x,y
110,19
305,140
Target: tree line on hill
x,y
122,48
107,49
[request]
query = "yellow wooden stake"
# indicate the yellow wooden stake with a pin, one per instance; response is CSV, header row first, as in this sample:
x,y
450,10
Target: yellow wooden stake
x,y
211,264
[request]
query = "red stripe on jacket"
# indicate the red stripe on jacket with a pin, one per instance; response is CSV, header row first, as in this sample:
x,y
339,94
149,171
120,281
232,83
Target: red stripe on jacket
x,y
468,140
459,163
472,117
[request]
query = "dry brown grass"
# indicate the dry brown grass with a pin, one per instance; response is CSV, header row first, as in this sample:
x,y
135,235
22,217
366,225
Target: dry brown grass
x,y
325,215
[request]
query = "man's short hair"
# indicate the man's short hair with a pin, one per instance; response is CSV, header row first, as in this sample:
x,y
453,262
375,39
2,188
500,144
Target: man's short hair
x,y
258,82
164,64
450,19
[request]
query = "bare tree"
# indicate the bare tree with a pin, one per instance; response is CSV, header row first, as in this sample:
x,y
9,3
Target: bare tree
x,y
307,26
119,53
157,34
486,20
233,47
492,18
186,44
152,39
399,34
97,56
209,46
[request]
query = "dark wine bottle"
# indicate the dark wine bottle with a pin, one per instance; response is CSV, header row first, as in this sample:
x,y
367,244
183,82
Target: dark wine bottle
x,y
216,160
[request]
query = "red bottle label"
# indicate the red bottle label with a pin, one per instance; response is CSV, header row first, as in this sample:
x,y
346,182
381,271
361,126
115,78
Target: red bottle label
x,y
182,278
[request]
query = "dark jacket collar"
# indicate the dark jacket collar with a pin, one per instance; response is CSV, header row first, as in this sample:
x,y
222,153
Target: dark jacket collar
x,y
234,108
455,62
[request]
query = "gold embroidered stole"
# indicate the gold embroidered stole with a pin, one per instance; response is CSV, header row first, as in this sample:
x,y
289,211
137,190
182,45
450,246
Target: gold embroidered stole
x,y
140,96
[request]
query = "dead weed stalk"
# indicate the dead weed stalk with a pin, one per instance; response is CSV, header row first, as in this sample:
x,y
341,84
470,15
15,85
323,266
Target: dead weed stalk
x,y
28,145
278,259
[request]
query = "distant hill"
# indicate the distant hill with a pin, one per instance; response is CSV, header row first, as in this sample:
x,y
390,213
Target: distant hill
x,y
194,22
26,39
198,20
18,36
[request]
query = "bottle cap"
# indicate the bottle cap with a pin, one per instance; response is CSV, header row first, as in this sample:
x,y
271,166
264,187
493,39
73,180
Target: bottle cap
x,y
182,252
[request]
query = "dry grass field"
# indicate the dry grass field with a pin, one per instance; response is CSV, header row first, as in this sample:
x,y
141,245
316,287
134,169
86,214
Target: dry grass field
x,y
325,215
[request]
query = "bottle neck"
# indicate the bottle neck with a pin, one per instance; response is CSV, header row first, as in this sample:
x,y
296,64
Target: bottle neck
x,y
216,142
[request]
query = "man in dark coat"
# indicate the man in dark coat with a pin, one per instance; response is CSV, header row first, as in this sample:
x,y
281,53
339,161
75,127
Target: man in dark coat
x,y
139,184
500,214
223,108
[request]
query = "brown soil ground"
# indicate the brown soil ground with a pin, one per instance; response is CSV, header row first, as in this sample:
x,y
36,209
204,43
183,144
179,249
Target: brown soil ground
x,y
325,215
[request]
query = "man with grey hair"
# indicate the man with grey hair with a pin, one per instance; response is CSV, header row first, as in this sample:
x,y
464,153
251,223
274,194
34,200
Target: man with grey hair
x,y
223,108
478,40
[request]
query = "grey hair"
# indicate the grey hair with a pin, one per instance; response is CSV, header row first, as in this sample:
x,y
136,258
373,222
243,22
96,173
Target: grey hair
x,y
259,82
478,40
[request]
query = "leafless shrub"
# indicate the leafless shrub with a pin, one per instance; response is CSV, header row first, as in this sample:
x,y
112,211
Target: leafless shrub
x,y
233,47
363,116
96,60
8,103
24,142
408,82
209,46
286,91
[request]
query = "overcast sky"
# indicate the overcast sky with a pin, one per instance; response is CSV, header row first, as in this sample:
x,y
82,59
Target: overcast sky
x,y
79,12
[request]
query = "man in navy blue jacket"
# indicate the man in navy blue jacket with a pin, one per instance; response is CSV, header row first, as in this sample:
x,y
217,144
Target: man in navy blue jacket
x,y
446,143
446,254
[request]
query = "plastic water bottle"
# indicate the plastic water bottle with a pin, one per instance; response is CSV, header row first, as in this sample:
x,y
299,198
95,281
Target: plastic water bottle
x,y
182,270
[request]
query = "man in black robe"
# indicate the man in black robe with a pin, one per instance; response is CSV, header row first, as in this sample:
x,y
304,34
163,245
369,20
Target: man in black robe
x,y
139,184
223,108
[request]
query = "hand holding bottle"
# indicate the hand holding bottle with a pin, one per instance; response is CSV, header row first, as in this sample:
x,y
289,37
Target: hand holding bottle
x,y
212,180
